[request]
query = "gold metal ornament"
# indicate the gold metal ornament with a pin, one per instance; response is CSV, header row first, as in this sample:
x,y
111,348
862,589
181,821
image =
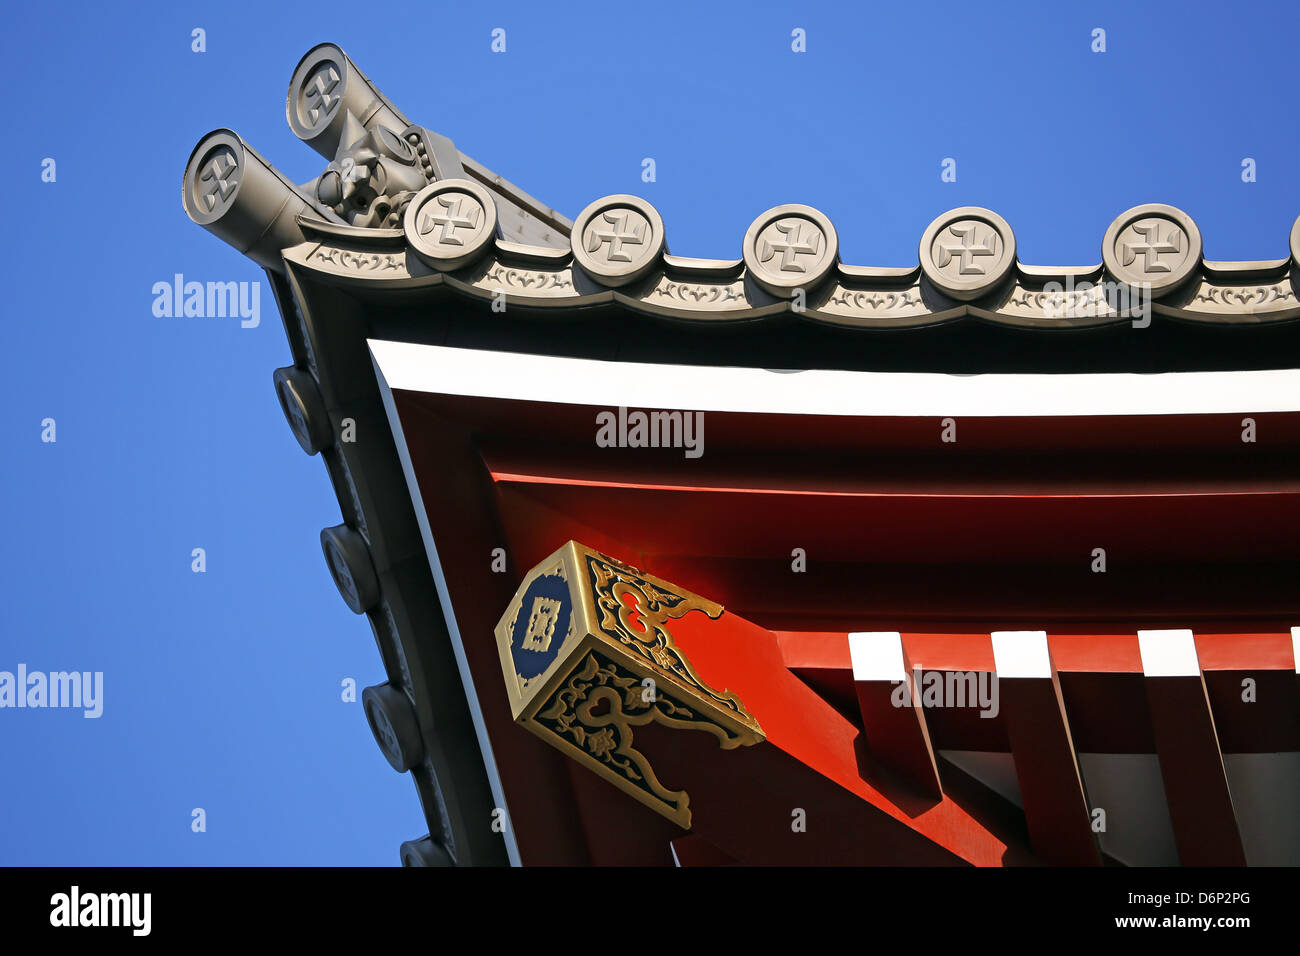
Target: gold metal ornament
x,y
588,656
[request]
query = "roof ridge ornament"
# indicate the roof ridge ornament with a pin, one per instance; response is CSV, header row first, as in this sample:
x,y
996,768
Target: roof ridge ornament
x,y
1153,260
343,226
450,223
789,248
968,251
325,88
618,239
1154,246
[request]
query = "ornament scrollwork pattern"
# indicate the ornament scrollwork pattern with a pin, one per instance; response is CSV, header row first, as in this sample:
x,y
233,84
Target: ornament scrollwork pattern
x,y
1245,295
876,301
359,261
528,279
640,626
696,293
595,711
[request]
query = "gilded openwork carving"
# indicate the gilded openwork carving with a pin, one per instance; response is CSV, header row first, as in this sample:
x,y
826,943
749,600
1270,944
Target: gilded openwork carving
x,y
588,657
595,711
640,624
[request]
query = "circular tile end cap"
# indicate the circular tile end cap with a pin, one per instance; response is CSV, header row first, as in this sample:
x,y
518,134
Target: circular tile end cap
x,y
1295,243
316,90
450,223
1152,246
303,408
618,239
425,852
213,176
392,720
351,567
790,247
968,251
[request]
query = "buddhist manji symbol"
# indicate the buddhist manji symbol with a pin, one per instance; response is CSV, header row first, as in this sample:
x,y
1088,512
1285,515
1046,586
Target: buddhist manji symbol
x,y
970,246
791,245
450,223
620,230
577,644
789,248
1152,245
217,174
618,239
318,89
967,252
457,211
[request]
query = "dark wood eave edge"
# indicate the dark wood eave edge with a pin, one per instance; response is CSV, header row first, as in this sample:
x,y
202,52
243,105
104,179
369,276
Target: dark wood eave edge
x,y
332,380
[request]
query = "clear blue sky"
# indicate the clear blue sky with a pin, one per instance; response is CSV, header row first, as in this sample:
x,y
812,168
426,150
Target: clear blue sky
x,y
222,689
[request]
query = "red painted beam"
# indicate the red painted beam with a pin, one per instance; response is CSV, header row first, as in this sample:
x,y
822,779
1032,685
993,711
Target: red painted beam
x,y
1051,786
748,801
1049,437
1000,524
1101,682
892,716
1191,762
1086,649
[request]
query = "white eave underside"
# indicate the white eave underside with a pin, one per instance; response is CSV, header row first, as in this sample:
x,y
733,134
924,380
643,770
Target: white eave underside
x,y
578,381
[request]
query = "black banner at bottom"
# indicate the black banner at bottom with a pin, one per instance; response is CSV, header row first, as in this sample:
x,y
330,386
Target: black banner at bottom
x,y
533,906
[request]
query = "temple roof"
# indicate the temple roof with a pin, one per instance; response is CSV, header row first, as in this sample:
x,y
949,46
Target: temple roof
x,y
405,238
401,210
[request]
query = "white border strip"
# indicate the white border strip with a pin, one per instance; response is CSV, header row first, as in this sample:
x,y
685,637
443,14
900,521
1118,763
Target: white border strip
x,y
877,656
1021,654
1169,653
448,613
574,381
